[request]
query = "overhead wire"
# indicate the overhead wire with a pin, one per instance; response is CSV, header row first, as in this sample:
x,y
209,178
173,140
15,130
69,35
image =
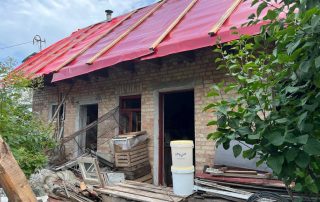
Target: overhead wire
x,y
19,44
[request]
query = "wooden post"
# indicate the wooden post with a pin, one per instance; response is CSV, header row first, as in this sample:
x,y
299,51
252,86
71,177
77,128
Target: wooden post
x,y
12,179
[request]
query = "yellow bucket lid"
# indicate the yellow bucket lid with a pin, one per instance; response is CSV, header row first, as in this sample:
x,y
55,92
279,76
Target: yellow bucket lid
x,y
187,169
181,143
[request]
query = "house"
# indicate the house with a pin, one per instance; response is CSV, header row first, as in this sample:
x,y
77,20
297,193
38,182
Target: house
x,y
156,63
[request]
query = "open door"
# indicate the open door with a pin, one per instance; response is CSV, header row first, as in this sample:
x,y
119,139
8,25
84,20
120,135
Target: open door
x,y
176,123
88,140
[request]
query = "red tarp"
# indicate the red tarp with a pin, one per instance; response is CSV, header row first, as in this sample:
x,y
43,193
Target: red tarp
x,y
189,34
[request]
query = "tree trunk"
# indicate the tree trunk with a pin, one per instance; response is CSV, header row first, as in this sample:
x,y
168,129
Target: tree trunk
x,y
12,179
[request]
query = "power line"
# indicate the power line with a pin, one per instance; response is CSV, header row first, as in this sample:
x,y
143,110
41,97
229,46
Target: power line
x,y
16,45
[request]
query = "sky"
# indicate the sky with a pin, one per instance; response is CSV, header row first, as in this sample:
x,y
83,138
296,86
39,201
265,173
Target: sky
x,y
53,20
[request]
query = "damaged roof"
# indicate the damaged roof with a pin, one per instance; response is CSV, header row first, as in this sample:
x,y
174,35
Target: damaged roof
x,y
163,28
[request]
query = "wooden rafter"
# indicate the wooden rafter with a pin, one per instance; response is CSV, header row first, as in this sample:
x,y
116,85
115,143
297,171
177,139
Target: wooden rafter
x,y
172,25
93,42
65,49
225,16
114,42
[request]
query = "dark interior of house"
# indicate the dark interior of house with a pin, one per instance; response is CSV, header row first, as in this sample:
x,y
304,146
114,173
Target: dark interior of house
x,y
178,124
92,133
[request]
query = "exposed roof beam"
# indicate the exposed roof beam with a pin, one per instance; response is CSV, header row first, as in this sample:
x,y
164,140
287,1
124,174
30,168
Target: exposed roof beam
x,y
93,42
225,16
119,38
65,49
172,25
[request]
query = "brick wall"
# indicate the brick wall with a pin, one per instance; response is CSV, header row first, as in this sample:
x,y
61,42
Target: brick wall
x,y
147,80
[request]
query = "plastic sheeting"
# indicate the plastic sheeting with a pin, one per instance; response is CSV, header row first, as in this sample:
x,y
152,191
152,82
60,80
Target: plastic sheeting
x,y
189,34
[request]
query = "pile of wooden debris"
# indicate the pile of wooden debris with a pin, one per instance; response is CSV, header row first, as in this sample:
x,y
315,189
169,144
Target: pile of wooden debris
x,y
240,185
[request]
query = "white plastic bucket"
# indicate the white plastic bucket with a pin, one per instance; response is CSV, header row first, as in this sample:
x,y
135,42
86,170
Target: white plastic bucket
x,y
183,180
182,153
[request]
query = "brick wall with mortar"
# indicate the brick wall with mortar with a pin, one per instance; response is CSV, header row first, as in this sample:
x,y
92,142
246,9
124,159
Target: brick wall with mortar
x,y
146,80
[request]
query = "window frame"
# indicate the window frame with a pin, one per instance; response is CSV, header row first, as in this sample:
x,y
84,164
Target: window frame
x,y
129,112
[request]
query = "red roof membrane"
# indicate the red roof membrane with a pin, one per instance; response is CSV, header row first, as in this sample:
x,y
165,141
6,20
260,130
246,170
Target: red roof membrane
x,y
178,25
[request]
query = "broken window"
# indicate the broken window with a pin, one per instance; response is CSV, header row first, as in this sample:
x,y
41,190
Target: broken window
x,y
130,114
58,117
54,108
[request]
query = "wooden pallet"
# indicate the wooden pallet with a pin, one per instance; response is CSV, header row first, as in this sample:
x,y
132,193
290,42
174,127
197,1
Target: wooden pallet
x,y
133,157
118,149
138,191
145,179
138,172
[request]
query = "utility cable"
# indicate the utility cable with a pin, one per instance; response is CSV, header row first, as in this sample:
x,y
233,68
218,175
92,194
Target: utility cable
x,y
15,45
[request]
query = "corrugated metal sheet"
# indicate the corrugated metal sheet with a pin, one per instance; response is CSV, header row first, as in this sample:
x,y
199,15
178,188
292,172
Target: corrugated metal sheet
x,y
140,30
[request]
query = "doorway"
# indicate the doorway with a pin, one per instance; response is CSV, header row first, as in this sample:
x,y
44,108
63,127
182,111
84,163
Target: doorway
x,y
176,123
88,140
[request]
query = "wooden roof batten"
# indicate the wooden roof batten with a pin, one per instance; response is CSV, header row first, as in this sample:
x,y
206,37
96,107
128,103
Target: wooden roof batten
x,y
172,25
28,64
114,42
66,48
223,18
93,42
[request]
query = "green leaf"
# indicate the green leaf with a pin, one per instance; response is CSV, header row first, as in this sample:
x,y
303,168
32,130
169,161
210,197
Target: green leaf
x,y
275,163
215,135
211,123
301,120
237,149
223,109
302,139
317,62
244,130
249,154
302,159
261,7
283,120
275,138
291,154
271,15
292,46
312,146
298,187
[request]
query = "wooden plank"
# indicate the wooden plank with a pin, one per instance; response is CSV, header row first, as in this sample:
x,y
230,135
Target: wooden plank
x,y
225,16
68,46
241,175
130,196
152,195
12,179
119,38
160,191
242,172
134,168
172,25
139,146
92,42
215,185
226,193
132,134
144,178
129,164
139,184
